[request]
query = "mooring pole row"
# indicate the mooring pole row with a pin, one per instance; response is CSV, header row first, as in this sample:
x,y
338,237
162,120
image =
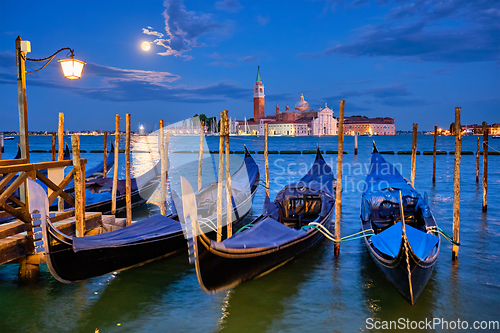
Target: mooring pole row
x,y
338,196
456,183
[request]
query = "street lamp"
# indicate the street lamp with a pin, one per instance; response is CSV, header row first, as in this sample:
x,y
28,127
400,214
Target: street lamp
x,y
71,67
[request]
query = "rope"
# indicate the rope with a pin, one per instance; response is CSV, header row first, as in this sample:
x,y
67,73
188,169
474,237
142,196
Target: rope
x,y
444,234
492,147
408,267
248,226
208,225
263,184
321,228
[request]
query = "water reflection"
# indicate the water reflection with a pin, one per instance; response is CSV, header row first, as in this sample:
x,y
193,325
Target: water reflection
x,y
384,302
132,295
253,306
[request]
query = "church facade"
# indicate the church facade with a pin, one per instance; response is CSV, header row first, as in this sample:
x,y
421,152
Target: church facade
x,y
300,121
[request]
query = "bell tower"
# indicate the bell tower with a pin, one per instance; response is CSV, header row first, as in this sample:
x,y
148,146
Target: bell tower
x,y
258,98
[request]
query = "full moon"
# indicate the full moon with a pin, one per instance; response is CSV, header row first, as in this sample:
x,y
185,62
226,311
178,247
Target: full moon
x,y
146,46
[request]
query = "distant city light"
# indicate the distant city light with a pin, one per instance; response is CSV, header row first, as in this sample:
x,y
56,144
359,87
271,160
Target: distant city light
x,y
146,46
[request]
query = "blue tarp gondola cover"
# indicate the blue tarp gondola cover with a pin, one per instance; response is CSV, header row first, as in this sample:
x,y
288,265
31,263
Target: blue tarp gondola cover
x,y
152,227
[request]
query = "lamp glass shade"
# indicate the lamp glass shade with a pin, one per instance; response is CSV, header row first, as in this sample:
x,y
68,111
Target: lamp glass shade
x,y
72,68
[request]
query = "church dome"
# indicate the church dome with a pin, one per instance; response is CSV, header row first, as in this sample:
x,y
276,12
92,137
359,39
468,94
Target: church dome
x,y
302,105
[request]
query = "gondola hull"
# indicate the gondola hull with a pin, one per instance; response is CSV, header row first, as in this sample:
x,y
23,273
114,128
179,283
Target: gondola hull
x,y
395,223
397,270
66,265
219,270
69,266
292,224
151,239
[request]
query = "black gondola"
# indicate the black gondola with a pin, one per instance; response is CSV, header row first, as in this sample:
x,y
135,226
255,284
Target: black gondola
x,y
405,243
72,259
280,234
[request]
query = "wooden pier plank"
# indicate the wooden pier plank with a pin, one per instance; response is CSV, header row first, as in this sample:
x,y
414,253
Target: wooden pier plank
x,y
19,245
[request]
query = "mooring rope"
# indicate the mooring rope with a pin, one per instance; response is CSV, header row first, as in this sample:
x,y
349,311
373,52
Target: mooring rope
x,y
444,234
263,184
321,228
492,147
209,226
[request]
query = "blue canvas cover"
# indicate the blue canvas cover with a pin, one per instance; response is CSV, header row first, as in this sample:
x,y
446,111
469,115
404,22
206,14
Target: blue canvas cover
x,y
319,180
92,198
241,186
268,233
383,183
389,241
383,175
152,227
320,176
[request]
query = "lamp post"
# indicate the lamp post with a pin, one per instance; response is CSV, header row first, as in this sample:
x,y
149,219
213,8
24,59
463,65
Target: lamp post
x,y
72,69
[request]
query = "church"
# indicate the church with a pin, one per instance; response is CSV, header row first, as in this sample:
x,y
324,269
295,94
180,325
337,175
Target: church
x,y
300,121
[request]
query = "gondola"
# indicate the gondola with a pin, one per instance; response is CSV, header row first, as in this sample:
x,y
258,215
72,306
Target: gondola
x,y
98,192
280,234
98,170
72,259
405,242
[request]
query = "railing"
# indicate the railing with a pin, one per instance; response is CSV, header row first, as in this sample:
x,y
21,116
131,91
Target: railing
x,y
9,184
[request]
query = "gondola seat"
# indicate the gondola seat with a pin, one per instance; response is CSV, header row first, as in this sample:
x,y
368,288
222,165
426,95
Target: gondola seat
x,y
300,210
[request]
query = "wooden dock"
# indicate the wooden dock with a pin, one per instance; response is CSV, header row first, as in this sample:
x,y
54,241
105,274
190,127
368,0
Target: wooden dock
x,y
15,243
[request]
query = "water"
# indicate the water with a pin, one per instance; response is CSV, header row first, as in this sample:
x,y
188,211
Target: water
x,y
316,292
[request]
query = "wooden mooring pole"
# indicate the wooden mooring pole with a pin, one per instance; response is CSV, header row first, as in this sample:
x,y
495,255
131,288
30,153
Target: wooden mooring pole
x,y
200,155
485,167
456,183
338,197
115,167
434,155
355,143
128,181
478,152
165,175
105,160
60,153
79,187
54,138
163,180
266,155
220,176
229,201
413,154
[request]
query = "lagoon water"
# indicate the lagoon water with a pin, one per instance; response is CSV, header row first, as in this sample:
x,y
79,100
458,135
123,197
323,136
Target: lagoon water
x,y
314,293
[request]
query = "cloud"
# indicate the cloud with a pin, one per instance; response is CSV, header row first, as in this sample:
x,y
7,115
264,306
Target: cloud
x,y
232,6
223,64
231,59
263,20
453,31
391,95
248,59
107,83
183,29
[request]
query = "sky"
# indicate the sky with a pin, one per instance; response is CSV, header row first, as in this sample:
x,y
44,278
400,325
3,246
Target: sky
x,y
414,61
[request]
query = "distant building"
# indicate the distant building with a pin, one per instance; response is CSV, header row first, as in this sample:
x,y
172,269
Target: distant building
x,y
299,121
493,129
258,98
369,126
